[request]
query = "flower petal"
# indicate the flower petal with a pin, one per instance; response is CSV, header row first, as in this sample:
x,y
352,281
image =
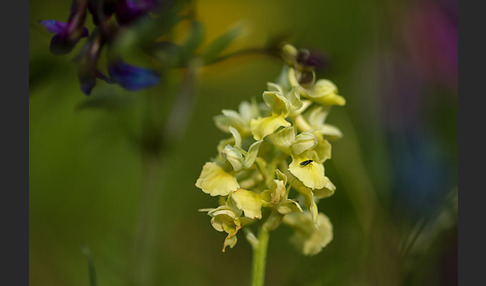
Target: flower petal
x,y
54,26
317,115
325,92
309,195
230,241
249,202
327,191
293,96
303,142
323,87
284,138
274,87
305,105
323,149
236,136
252,154
330,131
248,110
277,102
289,206
224,219
276,193
234,156
229,118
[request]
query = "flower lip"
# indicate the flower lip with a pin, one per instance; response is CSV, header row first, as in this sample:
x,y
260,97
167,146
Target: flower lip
x,y
312,176
215,181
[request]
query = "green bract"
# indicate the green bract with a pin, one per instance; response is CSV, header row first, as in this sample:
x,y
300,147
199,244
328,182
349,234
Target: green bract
x,y
271,169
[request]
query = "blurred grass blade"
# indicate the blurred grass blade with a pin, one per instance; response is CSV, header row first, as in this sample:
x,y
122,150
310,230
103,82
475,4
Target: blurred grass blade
x,y
432,221
91,269
220,44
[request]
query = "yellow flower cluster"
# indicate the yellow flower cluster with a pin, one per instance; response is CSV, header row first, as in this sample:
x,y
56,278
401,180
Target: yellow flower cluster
x,y
275,147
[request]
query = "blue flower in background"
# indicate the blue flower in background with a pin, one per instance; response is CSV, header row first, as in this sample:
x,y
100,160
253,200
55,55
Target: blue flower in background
x,y
131,77
67,34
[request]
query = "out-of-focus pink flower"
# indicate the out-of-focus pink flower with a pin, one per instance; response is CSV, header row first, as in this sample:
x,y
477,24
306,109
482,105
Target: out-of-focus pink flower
x,y
430,32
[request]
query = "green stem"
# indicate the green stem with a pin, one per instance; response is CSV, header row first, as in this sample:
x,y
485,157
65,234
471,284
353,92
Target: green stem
x,y
249,51
259,258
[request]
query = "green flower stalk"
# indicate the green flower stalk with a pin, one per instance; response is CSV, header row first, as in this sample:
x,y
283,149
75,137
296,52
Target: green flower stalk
x,y
270,171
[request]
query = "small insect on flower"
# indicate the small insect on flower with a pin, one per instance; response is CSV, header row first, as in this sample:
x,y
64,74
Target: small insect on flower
x,y
306,162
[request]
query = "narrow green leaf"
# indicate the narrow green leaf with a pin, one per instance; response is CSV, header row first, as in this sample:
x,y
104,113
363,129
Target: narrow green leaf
x,y
217,46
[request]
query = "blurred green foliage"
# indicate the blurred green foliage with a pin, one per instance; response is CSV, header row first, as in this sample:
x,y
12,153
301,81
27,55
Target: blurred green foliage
x,y
86,174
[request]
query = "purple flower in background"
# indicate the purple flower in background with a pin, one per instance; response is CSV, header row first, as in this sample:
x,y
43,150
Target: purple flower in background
x,y
68,34
131,77
130,10
413,76
430,30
